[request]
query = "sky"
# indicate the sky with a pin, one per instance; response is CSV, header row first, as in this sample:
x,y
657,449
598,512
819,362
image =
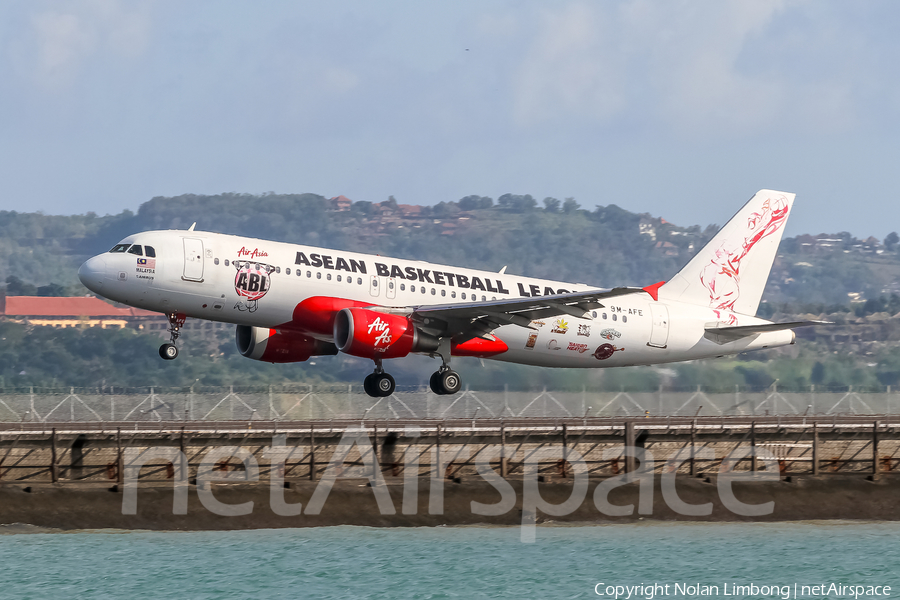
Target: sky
x,y
681,109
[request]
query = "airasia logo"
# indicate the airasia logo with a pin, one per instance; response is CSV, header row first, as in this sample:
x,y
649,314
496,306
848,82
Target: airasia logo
x,y
255,253
251,282
382,329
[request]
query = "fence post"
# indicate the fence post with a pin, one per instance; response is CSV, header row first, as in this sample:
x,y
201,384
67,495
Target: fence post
x,y
312,453
693,463
120,464
629,443
875,450
503,459
54,469
753,465
815,449
375,463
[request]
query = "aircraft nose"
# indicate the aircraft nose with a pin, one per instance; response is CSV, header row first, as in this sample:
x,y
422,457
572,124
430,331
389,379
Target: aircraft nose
x,y
92,273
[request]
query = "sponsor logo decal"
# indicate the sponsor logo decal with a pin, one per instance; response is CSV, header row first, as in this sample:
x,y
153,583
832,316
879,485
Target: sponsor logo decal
x,y
605,351
532,340
537,323
584,330
579,348
553,345
610,334
560,326
251,282
384,333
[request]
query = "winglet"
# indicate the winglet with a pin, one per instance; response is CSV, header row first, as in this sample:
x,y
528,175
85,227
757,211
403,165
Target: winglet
x,y
653,290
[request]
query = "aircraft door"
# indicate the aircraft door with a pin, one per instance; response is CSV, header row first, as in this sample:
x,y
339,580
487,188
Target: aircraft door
x,y
659,332
391,288
193,259
374,286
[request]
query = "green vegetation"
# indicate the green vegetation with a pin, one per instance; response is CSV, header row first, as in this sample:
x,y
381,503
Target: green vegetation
x,y
833,276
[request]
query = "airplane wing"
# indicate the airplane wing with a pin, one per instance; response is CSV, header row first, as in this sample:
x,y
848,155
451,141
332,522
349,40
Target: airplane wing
x,y
464,321
723,335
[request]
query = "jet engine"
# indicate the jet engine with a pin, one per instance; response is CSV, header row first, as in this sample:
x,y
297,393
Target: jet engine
x,y
371,334
271,345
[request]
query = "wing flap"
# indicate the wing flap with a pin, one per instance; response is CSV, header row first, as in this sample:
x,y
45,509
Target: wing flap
x,y
723,335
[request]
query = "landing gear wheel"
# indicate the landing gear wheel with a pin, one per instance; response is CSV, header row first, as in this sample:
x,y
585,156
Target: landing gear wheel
x,y
384,385
168,351
445,382
435,383
369,385
450,381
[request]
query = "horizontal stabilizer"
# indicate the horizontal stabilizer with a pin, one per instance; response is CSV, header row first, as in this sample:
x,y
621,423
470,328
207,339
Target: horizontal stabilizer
x,y
723,335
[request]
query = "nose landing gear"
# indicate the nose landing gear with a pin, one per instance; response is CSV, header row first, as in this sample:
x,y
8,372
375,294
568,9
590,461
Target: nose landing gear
x,y
379,384
169,351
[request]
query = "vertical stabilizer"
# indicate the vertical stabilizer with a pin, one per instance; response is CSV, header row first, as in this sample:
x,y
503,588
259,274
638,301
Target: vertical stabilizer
x,y
730,272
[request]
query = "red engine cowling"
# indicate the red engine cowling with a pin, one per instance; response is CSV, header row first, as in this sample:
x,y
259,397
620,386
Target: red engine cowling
x,y
271,345
371,334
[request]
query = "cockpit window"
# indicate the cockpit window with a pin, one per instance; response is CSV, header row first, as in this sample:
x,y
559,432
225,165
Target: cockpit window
x,y
120,247
149,251
136,249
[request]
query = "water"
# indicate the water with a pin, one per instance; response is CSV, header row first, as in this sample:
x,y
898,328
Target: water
x,y
463,562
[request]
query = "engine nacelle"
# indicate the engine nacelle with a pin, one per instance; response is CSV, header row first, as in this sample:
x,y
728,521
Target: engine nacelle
x,y
371,334
271,345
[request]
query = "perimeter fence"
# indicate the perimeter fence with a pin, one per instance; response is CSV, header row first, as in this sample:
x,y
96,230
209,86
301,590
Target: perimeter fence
x,y
303,402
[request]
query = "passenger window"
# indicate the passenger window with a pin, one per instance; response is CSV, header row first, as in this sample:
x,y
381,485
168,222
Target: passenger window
x,y
624,319
359,281
120,248
433,292
151,253
604,316
287,271
278,269
390,284
136,250
594,314
350,279
215,261
483,299
339,278
614,316
402,287
412,288
443,292
319,275
453,294
226,262
463,295
328,277
309,273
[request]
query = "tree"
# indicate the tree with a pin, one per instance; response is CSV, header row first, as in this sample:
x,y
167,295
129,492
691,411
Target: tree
x,y
551,204
570,205
17,287
890,242
51,289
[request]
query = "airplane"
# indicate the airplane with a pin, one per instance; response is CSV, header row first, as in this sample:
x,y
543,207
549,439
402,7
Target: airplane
x,y
291,302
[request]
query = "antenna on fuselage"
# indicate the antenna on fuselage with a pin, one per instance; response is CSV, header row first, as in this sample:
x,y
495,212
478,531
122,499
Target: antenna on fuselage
x,y
191,228
503,270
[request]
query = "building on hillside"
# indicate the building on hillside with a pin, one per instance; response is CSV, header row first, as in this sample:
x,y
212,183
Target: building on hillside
x,y
341,203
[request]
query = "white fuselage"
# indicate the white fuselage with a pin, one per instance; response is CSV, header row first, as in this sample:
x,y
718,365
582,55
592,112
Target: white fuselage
x,y
194,273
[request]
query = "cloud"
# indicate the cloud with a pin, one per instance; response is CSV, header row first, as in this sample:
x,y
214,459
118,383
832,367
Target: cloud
x,y
58,42
714,68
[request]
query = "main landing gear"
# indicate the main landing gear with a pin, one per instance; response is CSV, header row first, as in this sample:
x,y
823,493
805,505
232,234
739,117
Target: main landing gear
x,y
445,381
169,351
379,384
